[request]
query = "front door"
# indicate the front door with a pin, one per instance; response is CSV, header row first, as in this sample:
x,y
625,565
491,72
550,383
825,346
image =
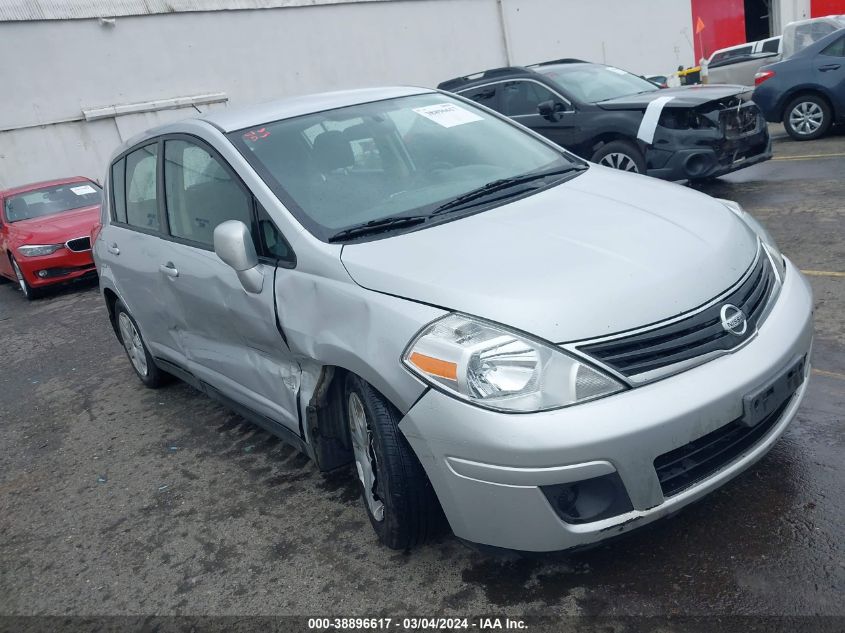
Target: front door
x,y
520,100
229,336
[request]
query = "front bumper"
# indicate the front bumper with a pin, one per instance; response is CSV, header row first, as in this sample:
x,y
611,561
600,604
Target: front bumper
x,y
695,155
487,468
62,266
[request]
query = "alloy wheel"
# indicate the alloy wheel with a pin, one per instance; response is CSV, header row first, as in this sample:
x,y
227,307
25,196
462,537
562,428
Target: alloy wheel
x,y
365,456
133,344
806,117
618,160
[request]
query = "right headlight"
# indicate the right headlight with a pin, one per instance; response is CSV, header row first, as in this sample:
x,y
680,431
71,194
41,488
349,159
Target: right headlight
x,y
494,367
34,250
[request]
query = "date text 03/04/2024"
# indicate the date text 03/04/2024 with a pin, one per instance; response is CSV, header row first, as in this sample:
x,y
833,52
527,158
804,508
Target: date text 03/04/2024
x,y
417,623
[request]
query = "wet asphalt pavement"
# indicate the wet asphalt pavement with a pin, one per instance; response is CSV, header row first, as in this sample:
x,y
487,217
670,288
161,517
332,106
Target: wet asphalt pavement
x,y
115,499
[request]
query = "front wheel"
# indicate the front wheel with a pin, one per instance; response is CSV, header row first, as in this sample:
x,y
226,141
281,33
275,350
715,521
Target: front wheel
x,y
620,155
28,291
807,117
139,357
398,497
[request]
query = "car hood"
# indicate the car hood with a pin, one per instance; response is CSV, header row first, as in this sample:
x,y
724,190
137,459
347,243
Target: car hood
x,y
684,96
58,227
599,254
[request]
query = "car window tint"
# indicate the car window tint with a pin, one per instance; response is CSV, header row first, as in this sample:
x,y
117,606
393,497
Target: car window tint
x,y
200,193
141,203
837,49
486,96
118,188
523,97
771,46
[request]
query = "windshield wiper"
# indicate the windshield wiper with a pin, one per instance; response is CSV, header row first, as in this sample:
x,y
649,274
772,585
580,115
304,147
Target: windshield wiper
x,y
378,226
499,185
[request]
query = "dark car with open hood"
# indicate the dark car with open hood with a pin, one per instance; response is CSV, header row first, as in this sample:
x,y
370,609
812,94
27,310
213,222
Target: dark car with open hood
x,y
620,120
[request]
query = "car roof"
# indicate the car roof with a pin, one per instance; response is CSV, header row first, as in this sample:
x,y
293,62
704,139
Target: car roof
x,y
42,184
495,74
229,120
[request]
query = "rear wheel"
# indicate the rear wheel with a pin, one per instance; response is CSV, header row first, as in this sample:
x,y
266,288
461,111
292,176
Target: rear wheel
x,y
139,357
620,155
807,117
28,291
398,497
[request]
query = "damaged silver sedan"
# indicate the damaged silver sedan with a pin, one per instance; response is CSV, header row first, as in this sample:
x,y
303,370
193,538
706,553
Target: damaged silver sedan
x,y
479,324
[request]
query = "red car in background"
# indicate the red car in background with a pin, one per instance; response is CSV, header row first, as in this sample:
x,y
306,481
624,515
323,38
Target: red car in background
x,y
45,232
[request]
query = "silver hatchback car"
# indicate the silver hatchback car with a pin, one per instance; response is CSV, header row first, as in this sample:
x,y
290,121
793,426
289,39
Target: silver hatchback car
x,y
545,351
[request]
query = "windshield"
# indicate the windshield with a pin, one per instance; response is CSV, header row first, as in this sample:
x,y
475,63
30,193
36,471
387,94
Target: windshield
x,y
399,158
592,83
50,200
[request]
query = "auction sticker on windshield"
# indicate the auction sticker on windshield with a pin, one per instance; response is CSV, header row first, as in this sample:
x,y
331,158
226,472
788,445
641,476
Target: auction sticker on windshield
x,y
83,190
447,114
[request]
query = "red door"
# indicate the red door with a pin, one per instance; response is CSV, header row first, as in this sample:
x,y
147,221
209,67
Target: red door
x,y
720,23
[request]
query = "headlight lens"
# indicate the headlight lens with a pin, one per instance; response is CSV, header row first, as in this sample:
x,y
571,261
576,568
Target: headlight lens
x,y
494,367
768,241
33,250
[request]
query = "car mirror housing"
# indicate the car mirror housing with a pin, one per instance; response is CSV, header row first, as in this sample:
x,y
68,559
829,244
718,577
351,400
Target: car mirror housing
x,y
233,244
550,110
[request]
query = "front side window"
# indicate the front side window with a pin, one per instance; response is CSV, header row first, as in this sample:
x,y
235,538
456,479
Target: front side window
x,y
200,193
141,200
395,158
52,200
593,83
523,97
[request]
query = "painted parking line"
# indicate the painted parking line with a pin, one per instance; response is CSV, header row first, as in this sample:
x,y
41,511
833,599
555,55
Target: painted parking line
x,y
809,156
823,273
829,374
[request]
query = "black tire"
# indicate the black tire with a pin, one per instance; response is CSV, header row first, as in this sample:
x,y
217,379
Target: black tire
x,y
28,291
411,512
802,113
147,371
621,155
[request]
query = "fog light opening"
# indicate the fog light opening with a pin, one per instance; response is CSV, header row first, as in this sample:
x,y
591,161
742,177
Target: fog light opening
x,y
697,165
590,499
42,273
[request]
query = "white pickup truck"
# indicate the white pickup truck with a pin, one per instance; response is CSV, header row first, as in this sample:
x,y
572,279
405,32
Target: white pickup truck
x,y
738,64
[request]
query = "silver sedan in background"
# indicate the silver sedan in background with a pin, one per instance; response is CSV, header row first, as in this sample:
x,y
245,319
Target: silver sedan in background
x,y
486,327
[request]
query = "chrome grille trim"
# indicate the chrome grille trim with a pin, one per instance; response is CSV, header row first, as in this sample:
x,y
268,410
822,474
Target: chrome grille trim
x,y
690,339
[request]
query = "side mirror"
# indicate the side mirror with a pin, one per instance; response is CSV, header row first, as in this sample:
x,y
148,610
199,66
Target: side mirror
x,y
233,244
550,110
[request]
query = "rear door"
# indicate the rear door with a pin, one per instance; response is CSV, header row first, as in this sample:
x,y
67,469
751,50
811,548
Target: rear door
x,y
134,246
830,73
231,338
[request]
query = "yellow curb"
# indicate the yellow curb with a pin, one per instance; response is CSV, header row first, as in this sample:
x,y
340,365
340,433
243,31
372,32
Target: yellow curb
x,y
823,273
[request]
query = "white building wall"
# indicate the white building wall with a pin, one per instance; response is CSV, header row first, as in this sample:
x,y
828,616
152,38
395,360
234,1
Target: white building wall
x,y
54,69
643,36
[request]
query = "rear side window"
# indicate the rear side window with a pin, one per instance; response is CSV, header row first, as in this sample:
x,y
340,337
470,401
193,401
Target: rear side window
x,y
118,188
486,96
771,46
523,97
837,49
200,193
141,203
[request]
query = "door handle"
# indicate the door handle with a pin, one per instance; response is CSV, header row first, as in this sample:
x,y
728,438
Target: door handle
x,y
169,269
827,67
113,249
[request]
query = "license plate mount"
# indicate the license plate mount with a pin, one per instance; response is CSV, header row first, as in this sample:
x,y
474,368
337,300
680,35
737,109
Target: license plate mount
x,y
759,404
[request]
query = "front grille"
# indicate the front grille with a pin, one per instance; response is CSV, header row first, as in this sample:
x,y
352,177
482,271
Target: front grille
x,y
693,336
741,121
683,467
79,244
